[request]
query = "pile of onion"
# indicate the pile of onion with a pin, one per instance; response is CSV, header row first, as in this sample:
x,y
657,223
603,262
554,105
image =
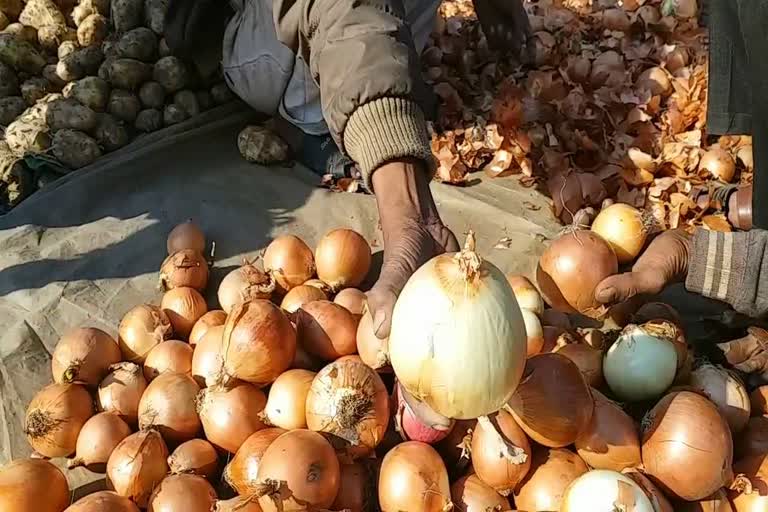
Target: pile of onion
x,y
103,501
719,163
750,491
172,356
326,330
231,413
589,361
97,439
196,457
121,391
625,228
184,307
552,471
54,418
526,294
343,258
188,493
241,472
208,320
415,421
84,356
207,359
186,235
245,283
353,300
469,493
186,267
33,484
753,438
611,440
168,404
467,304
137,465
413,477
141,329
501,453
374,351
726,390
286,403
300,295
290,261
602,489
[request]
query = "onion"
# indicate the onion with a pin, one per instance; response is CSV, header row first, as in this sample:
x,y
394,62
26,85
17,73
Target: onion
x,y
624,228
587,359
103,501
758,400
168,405
244,284
186,267
300,295
754,495
184,306
353,300
348,400
611,440
326,330
718,502
318,284
534,333
172,356
656,80
415,421
458,338
304,361
33,484
753,438
719,163
97,439
231,414
657,311
641,364
471,494
745,155
528,297
300,471
121,391
290,261
210,319
207,360
186,235
373,350
286,403
725,389
137,465
141,329
501,453
343,259
678,58
241,472
602,489
357,489
54,418
187,493
658,500
570,269
552,471
259,342
413,478
555,318
238,504
84,356
687,428
456,446
553,404
196,456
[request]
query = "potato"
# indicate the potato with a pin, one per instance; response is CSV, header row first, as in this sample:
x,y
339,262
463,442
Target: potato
x,y
11,107
149,120
74,149
162,48
173,114
45,178
4,21
152,95
54,82
11,8
90,58
110,133
188,102
140,44
221,94
9,82
29,133
34,89
87,7
262,146
92,30
41,13
23,32
68,113
50,37
15,179
20,55
171,73
124,105
154,15
205,100
66,48
129,73
109,48
69,69
91,91
126,14
80,63
105,67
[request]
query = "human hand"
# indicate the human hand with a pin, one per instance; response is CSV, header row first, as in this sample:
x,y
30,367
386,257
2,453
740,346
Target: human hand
x,y
749,354
505,25
413,233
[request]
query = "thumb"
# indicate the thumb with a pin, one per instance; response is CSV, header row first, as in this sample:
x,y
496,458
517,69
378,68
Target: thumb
x,y
618,288
381,302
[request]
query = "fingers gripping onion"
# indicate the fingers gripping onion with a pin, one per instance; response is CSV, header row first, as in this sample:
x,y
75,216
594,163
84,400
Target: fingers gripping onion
x,y
501,453
32,484
230,414
84,356
196,457
373,350
290,261
466,304
186,235
602,490
243,284
300,295
528,297
718,502
172,356
625,229
353,300
343,259
103,501
186,267
141,329
326,330
121,391
611,440
97,439
54,418
184,306
415,421
207,359
242,471
137,465
552,471
587,359
168,405
534,333
286,404
413,477
187,493
470,494
208,320
753,439
726,390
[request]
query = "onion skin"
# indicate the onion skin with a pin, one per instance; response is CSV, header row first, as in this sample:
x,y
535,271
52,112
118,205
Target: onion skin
x,y
343,258
587,359
231,414
552,471
373,350
326,330
210,319
726,390
455,448
758,400
244,284
259,342
300,295
286,403
97,439
719,163
290,261
54,418
355,493
553,403
623,227
689,428
121,390
186,235
353,300
718,502
172,356
470,494
415,421
238,504
755,469
611,440
659,501
207,359
528,297
24,482
196,457
103,501
137,465
186,267
534,333
501,466
141,329
184,306
83,356
753,439
168,405
241,472
413,478
602,488
188,493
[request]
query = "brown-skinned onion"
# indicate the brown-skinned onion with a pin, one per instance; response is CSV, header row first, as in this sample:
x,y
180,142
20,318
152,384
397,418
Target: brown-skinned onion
x,y
242,471
301,295
286,403
137,464
188,493
172,356
54,418
84,356
32,485
207,359
196,456
103,501
141,329
186,235
587,359
97,439
184,307
343,258
611,439
243,284
186,267
471,494
413,477
121,390
210,319
353,300
501,452
326,330
552,471
231,413
290,261
168,405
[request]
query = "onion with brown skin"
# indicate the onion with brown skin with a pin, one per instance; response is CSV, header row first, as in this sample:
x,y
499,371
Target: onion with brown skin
x,y
528,297
32,485
304,361
372,349
172,356
726,390
186,267
413,478
259,342
719,163
137,465
184,306
141,329
717,502
245,283
416,421
103,501
611,440
301,295
553,403
207,359
471,494
196,457
658,499
84,356
230,414
750,492
552,471
168,405
343,258
753,439
54,418
758,400
241,472
326,330
587,359
501,453
317,283
555,318
290,261
97,439
286,403
210,319
187,493
357,491
687,428
121,391
353,300
186,235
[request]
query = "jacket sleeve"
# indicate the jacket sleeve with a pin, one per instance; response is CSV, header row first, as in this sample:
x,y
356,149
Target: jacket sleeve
x,y
732,267
361,54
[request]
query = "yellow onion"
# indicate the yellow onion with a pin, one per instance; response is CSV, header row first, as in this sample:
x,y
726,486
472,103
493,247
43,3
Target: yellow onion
x,y
624,228
172,356
243,284
526,294
353,300
413,478
286,403
186,235
467,304
103,501
136,466
501,453
168,405
717,502
84,356
230,414
210,319
750,492
726,390
242,471
301,295
602,489
753,438
186,267
33,485
611,440
534,333
326,330
97,439
552,471
196,457
54,418
187,493
471,494
207,359
373,350
141,329
589,361
290,261
343,258
184,307
719,163
121,391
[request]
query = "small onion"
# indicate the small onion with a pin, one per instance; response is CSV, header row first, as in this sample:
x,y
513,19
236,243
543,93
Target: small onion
x,y
726,390
471,494
84,356
717,502
172,356
137,465
413,478
207,359
534,333
210,319
230,414
187,493
326,330
528,297
54,418
501,453
186,267
103,501
356,490
753,498
343,258
121,391
290,261
97,439
753,439
719,163
286,403
570,269
758,400
611,440
553,403
168,405
353,300
372,350
552,471
186,235
602,489
196,456
415,421
624,228
587,359
244,284
141,329
300,295
32,485
687,428
184,306
241,472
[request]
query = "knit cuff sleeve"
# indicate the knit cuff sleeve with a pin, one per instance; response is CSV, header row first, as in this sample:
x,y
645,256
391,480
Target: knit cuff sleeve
x,y
717,264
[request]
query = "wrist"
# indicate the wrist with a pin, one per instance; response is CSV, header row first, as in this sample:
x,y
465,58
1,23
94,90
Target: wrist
x,y
402,192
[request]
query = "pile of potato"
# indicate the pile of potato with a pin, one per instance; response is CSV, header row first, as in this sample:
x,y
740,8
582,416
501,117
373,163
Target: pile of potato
x,y
79,78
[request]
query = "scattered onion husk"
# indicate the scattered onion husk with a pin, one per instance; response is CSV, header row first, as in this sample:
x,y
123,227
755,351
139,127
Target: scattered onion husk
x,y
121,391
141,329
168,405
471,494
241,472
611,439
210,319
286,403
413,477
353,300
32,484
528,297
326,330
290,261
373,350
343,258
301,295
357,490
589,361
534,333
552,471
726,390
717,502
188,493
753,439
186,235
501,453
207,359
103,501
54,418
137,465
416,421
719,163
553,403
624,228
172,356
687,428
83,356
750,491
758,401
186,267
658,499
243,284
184,307
230,414
196,457
97,439
603,489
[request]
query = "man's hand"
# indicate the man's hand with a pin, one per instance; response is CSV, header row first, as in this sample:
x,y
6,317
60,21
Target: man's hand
x,y
663,263
505,25
749,354
413,233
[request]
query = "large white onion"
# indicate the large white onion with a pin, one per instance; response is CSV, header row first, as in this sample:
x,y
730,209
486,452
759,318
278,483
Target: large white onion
x,y
458,340
602,490
726,391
